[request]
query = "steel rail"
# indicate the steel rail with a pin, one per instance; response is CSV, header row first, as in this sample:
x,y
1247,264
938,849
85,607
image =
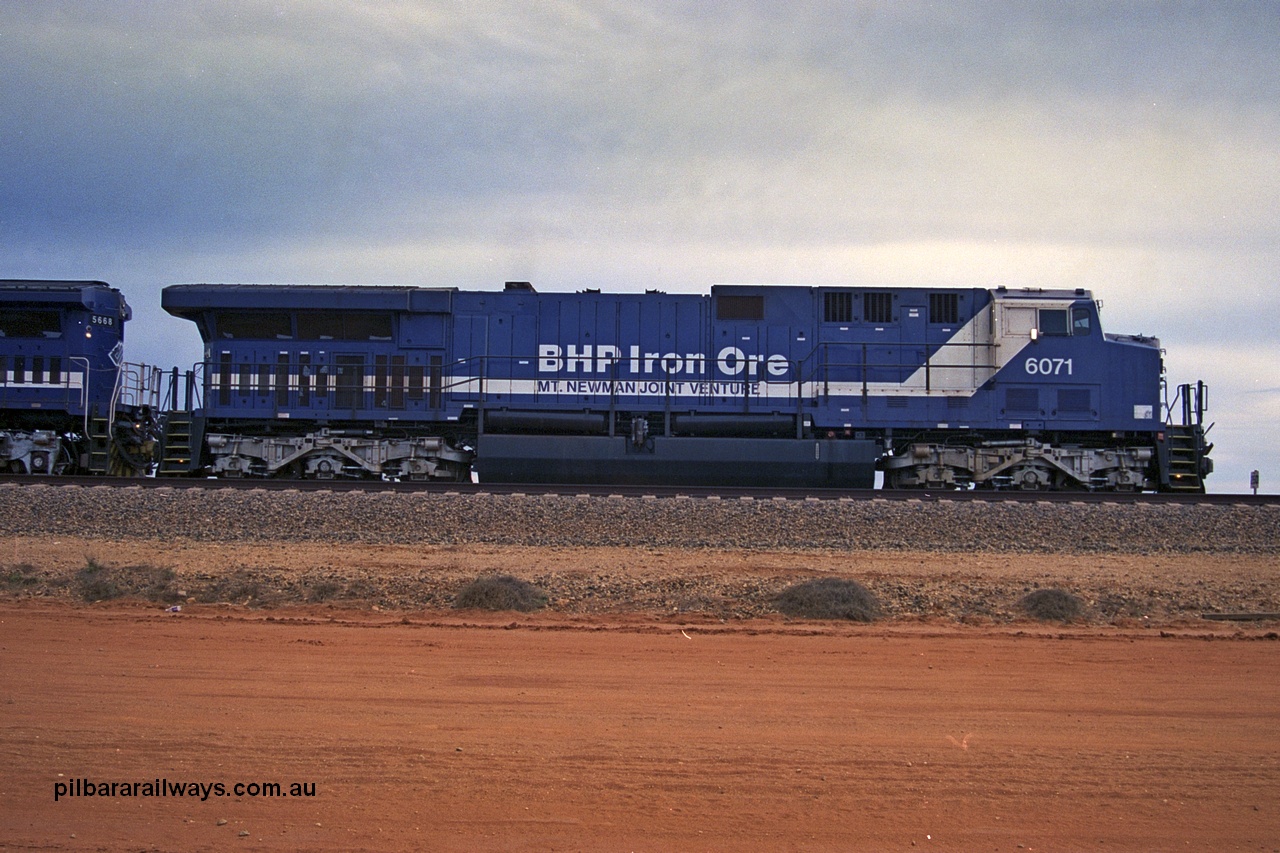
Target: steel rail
x,y
649,491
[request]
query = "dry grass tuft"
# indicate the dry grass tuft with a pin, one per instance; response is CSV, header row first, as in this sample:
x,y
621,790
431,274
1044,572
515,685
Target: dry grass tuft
x,y
19,578
101,582
1051,605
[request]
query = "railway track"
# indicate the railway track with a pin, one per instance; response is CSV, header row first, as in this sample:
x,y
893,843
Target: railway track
x,y
651,492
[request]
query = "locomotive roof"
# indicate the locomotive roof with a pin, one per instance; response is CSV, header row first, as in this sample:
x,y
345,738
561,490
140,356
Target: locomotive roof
x,y
52,285
1040,293
94,295
189,300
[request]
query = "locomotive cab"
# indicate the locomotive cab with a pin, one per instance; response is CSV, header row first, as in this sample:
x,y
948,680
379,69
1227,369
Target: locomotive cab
x,y
1069,407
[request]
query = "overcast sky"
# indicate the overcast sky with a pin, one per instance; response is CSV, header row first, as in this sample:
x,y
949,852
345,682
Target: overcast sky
x,y
1132,148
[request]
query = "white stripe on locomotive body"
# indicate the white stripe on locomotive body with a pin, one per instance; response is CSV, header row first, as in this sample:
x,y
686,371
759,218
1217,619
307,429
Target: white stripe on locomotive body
x,y
650,388
73,380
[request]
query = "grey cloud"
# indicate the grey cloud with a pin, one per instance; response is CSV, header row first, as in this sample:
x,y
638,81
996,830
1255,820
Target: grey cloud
x,y
816,122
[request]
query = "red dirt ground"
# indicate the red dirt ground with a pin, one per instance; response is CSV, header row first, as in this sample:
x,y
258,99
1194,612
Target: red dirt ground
x,y
446,731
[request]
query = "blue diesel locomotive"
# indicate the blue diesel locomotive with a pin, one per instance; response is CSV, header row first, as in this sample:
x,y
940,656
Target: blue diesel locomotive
x,y
751,385
68,401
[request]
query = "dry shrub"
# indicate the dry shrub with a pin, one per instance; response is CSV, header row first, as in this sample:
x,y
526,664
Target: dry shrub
x,y
19,577
323,590
240,587
1051,605
95,583
500,592
99,582
829,598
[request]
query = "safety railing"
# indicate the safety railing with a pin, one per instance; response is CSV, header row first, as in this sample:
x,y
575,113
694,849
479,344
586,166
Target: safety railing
x,y
182,390
1191,402
138,385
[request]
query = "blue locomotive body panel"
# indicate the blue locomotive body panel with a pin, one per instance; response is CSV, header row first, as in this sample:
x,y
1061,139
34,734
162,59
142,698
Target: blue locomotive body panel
x,y
835,359
659,387
905,360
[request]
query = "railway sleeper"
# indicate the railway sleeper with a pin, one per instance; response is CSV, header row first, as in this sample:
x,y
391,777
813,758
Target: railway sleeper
x,y
323,456
1027,466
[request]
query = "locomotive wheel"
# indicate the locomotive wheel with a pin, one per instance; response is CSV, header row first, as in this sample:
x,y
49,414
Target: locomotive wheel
x,y
1032,478
323,468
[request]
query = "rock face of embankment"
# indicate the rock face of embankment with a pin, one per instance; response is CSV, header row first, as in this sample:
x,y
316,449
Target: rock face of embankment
x,y
675,558
228,515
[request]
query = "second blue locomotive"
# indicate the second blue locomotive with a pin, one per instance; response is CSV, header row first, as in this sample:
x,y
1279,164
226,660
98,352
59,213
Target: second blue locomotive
x,y
69,403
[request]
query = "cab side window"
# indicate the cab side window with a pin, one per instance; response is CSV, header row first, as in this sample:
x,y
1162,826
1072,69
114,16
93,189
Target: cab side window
x,y
1080,321
1053,322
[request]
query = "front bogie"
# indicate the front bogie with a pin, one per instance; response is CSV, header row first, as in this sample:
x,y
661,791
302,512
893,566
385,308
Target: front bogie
x,y
1022,463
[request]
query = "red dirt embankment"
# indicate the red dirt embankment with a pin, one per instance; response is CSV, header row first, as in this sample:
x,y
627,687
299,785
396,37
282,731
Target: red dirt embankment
x,y
453,731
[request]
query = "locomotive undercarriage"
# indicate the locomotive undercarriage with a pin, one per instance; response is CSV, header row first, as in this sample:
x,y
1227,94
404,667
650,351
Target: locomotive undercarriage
x,y
332,454
58,444
1026,464
41,451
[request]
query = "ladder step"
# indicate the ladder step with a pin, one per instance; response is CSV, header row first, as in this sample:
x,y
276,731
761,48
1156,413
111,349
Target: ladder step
x,y
182,438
